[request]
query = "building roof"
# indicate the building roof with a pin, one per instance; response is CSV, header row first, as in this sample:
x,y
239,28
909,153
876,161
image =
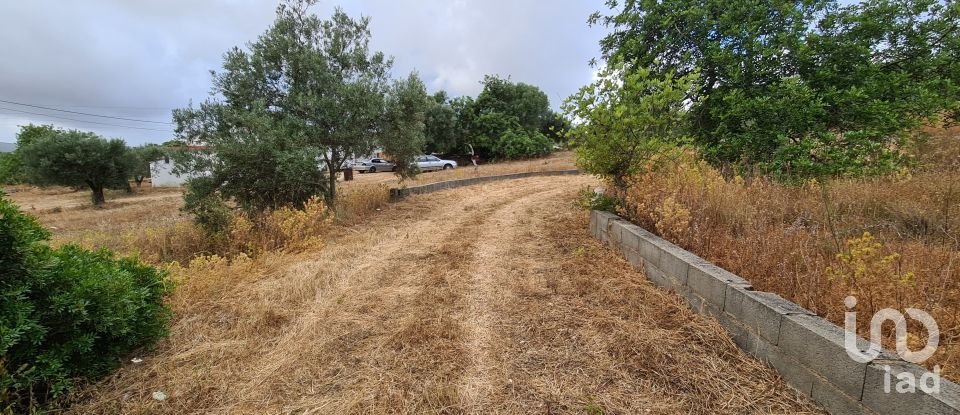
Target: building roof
x,y
7,147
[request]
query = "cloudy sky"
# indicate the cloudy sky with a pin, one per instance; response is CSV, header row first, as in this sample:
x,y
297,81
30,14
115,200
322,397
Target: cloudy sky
x,y
139,59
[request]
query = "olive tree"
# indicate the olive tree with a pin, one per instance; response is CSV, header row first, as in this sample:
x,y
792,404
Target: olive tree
x,y
77,158
287,112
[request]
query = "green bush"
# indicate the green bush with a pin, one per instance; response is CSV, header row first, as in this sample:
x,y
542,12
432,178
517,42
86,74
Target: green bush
x,y
9,168
520,144
68,314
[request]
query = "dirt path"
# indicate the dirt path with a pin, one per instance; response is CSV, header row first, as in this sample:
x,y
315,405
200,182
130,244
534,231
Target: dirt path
x,y
485,299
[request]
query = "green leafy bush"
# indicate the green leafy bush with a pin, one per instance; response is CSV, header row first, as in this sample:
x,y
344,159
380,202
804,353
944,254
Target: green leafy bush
x,y
67,314
9,168
520,144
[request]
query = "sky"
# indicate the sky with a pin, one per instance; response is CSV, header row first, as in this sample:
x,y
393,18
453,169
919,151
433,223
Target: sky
x,y
139,59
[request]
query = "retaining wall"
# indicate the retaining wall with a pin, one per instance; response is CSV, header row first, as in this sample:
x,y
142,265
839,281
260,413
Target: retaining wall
x,y
805,349
400,193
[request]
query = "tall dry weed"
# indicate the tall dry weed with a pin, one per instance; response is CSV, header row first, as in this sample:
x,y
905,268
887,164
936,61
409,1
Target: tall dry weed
x,y
893,240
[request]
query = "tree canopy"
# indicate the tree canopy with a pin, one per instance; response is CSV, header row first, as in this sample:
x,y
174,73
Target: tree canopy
x,y
506,120
76,158
628,119
307,93
800,87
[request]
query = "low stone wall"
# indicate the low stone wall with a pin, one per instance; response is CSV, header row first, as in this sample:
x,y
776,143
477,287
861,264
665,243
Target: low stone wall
x,y
805,349
400,193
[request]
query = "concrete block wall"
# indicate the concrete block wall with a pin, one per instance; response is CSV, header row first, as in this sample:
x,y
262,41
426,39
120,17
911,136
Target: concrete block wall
x,y
400,193
805,349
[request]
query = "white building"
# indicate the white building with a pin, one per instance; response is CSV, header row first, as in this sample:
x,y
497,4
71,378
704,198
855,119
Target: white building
x,y
162,175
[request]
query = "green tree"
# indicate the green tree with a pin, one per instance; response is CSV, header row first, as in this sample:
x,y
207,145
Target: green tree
x,y
307,91
527,103
11,166
404,137
805,88
511,120
466,118
144,155
77,158
441,133
626,119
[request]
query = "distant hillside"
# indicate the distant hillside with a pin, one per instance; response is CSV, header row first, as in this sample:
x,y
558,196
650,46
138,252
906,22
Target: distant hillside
x,y
7,147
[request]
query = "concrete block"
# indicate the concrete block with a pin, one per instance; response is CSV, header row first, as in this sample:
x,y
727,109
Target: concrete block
x,y
660,279
633,257
760,312
711,281
881,394
817,344
791,370
673,261
835,401
746,339
594,220
603,222
647,247
630,235
615,229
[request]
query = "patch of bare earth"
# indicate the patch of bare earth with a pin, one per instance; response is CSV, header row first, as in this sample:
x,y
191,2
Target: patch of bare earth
x,y
484,299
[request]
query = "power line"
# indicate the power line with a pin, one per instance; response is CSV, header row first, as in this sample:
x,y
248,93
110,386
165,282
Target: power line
x,y
82,121
84,113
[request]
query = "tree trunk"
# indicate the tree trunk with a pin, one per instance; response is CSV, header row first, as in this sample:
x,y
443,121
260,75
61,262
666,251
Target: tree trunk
x,y
98,198
332,191
139,180
129,188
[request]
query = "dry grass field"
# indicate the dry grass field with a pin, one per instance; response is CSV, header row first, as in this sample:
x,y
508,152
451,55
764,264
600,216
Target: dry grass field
x,y
489,299
893,242
68,213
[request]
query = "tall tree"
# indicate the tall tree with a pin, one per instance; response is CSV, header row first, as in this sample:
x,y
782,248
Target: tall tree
x,y
441,125
77,158
527,103
803,87
307,90
404,137
11,166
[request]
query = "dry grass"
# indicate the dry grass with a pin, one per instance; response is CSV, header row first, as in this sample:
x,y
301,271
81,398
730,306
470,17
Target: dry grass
x,y
487,299
895,241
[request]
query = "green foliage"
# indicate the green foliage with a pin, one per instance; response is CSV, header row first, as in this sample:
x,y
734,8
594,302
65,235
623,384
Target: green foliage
x,y
801,88
510,120
307,90
10,170
506,120
76,158
520,143
527,103
67,315
144,155
626,119
441,130
207,205
406,108
11,164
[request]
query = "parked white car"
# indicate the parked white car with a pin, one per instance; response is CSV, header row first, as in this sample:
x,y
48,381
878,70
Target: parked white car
x,y
373,165
431,163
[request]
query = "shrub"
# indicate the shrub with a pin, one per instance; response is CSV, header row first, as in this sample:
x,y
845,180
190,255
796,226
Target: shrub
x,y
67,314
521,144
